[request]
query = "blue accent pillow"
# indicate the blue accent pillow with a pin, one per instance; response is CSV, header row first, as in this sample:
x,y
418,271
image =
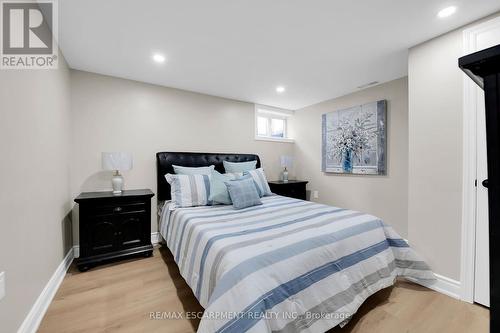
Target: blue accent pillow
x,y
182,170
243,193
259,177
232,167
218,189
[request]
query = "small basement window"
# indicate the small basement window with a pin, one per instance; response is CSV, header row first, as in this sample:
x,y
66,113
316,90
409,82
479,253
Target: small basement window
x,y
272,123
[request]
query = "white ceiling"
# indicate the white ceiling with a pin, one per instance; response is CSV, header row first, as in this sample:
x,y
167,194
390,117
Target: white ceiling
x,y
317,49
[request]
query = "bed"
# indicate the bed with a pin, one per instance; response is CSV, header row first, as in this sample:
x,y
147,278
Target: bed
x,y
286,266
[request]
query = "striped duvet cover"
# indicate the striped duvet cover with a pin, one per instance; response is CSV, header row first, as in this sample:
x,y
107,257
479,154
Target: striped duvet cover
x,y
286,266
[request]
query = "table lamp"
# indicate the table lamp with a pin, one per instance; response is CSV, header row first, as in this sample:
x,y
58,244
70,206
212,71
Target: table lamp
x,y
286,163
117,162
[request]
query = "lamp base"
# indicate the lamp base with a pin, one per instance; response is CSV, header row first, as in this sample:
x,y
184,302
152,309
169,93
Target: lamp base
x,y
117,182
285,176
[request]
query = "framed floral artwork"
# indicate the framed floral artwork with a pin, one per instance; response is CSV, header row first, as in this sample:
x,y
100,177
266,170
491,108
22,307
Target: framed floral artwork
x,y
354,140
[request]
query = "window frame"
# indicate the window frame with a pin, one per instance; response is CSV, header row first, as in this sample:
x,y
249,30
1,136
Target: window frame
x,y
270,113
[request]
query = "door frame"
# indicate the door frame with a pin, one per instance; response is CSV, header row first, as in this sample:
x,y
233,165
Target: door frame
x,y
469,163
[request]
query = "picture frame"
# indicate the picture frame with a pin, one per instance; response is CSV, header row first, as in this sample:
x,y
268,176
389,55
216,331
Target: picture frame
x,y
354,140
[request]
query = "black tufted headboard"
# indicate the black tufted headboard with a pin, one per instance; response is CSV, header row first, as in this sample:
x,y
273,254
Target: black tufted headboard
x,y
165,160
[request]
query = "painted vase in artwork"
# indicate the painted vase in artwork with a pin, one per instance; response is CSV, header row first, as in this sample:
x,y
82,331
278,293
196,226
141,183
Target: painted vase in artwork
x,y
347,161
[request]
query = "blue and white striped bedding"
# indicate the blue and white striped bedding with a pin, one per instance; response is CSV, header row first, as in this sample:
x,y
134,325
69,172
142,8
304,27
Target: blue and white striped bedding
x,y
285,266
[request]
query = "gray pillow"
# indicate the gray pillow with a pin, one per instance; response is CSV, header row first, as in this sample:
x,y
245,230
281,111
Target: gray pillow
x,y
243,193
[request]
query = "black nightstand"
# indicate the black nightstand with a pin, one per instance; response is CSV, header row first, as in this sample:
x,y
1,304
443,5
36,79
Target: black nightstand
x,y
292,188
114,226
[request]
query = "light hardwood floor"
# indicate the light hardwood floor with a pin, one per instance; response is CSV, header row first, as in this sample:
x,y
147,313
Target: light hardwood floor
x,y
120,297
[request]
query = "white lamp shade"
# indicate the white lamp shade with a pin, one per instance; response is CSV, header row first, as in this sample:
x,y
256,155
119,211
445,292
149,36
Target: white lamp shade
x,y
116,161
286,161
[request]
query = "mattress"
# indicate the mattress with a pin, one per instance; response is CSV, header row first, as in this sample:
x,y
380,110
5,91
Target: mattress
x,y
285,266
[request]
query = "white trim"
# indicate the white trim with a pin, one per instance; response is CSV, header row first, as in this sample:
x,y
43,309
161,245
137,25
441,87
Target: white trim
x,y
35,316
264,109
468,247
469,161
443,285
155,238
265,138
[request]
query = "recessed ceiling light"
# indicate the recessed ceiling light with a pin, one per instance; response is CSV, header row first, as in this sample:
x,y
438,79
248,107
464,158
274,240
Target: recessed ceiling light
x,y
280,89
448,11
159,58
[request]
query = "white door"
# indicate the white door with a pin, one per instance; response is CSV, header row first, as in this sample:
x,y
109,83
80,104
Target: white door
x,y
489,37
481,269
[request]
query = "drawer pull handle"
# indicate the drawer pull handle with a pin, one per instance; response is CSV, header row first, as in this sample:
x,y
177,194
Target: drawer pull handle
x,y
118,209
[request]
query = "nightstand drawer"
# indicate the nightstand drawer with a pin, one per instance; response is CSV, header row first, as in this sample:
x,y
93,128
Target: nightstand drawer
x,y
296,192
139,207
293,188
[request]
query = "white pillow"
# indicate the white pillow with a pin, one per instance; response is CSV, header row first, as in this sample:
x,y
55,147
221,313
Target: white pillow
x,y
189,190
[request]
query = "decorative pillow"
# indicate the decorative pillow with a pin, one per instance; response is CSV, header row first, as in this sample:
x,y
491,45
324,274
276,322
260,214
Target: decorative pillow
x,y
259,177
234,175
189,190
231,167
218,189
243,193
182,170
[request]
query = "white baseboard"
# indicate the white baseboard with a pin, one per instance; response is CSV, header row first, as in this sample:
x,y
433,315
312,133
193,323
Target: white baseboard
x,y
155,239
35,316
443,285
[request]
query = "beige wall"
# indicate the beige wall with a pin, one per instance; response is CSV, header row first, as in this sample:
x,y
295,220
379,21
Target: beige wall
x,y
111,114
383,196
35,231
435,148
